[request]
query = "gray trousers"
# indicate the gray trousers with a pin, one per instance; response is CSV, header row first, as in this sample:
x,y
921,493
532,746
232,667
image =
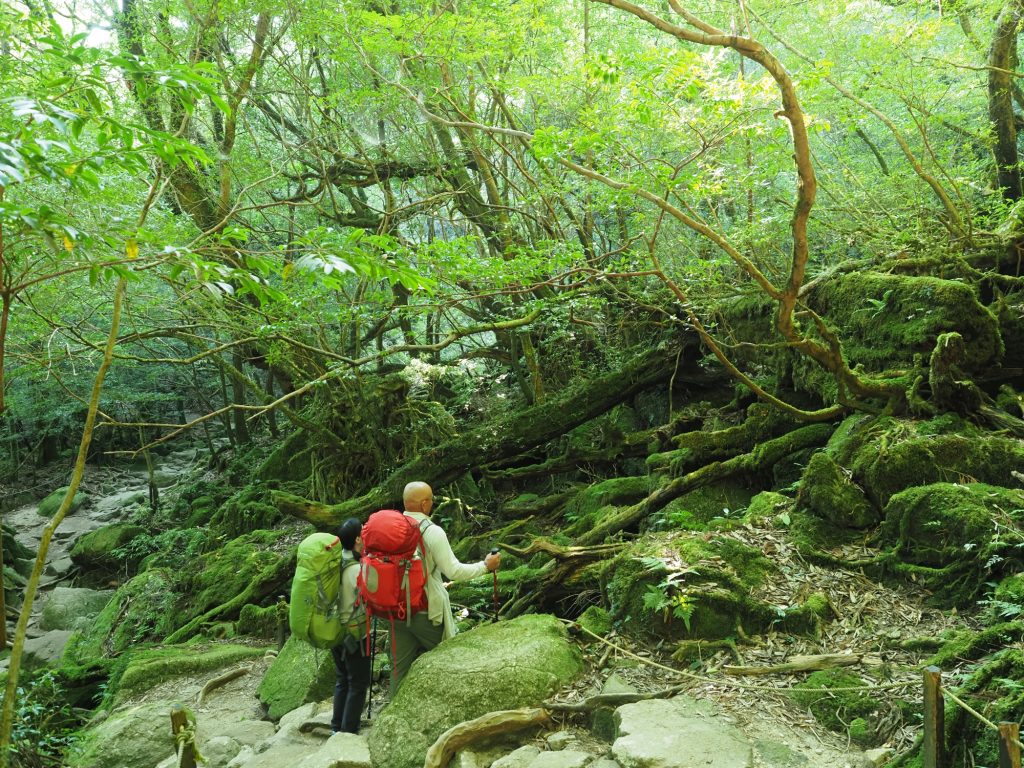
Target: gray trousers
x,y
411,640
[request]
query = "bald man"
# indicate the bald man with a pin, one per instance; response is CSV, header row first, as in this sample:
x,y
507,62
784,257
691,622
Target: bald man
x,y
428,628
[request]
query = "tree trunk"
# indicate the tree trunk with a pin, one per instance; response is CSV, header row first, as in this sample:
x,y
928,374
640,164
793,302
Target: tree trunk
x,y
1000,98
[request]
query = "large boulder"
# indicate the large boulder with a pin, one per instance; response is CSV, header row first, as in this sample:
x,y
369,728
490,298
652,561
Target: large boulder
x,y
48,506
134,737
300,674
67,607
507,665
953,537
96,550
677,733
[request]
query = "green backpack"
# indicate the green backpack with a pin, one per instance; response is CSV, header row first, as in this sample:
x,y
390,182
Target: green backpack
x,y
314,611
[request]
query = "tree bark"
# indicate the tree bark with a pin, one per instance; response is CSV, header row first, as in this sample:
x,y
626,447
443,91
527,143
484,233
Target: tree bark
x,y
1000,98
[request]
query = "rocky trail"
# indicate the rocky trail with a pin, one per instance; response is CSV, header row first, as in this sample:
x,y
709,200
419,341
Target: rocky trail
x,y
728,720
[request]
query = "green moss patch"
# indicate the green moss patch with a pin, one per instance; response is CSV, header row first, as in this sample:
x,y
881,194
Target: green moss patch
x,y
835,708
147,668
300,674
95,550
248,510
828,491
594,500
48,507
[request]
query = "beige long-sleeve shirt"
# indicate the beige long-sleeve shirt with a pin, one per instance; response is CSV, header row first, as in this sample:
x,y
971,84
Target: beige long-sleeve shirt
x,y
440,561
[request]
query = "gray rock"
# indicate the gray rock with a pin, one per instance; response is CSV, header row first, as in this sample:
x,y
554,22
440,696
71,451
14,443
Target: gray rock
x,y
66,604
45,649
494,667
778,755
602,721
342,750
875,758
677,733
521,758
219,751
563,759
135,737
604,762
559,740
300,674
59,568
116,505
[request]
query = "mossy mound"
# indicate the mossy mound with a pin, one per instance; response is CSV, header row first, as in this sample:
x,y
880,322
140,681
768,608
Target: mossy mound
x,y
887,455
144,669
94,551
500,666
49,506
256,560
835,708
828,491
291,461
258,621
140,611
683,585
248,510
300,674
596,620
769,505
588,505
696,509
955,538
136,737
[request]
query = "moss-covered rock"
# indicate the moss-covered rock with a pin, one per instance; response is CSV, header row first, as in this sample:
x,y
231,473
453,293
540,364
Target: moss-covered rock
x,y
593,499
67,608
135,737
290,461
684,585
49,506
596,620
140,611
95,550
768,505
887,455
828,491
258,621
956,537
500,666
697,508
300,674
248,510
835,708
144,669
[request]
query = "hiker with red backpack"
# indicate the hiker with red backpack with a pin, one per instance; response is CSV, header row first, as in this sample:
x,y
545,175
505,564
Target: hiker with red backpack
x,y
406,559
351,663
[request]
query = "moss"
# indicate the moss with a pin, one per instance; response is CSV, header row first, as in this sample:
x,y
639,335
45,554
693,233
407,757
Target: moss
x,y
300,674
216,577
49,506
201,511
290,461
828,491
955,538
834,709
695,509
257,621
596,620
140,611
887,455
662,576
95,550
147,668
768,505
593,500
250,509
702,650
861,732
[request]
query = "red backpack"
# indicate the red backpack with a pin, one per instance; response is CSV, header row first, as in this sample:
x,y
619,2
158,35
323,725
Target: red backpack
x,y
391,578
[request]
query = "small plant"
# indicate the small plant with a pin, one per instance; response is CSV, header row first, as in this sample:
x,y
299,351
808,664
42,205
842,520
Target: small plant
x,y
43,723
669,597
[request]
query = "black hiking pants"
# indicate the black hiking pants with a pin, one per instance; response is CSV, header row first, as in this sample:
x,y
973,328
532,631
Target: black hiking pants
x,y
351,682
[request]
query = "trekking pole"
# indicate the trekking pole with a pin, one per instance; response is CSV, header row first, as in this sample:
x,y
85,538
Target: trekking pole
x,y
494,575
373,654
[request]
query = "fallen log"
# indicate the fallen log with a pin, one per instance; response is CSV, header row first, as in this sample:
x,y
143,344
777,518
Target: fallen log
x,y
505,437
462,735
764,455
799,664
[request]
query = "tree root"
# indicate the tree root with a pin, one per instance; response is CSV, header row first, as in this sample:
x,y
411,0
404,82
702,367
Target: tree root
x,y
763,455
799,664
491,724
220,680
603,700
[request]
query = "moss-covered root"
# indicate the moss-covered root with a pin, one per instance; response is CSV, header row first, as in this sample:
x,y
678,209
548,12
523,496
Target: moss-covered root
x,y
269,579
763,456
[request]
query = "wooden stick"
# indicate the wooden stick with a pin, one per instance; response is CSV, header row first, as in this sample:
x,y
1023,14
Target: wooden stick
x,y
799,664
933,750
491,724
1009,739
185,748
